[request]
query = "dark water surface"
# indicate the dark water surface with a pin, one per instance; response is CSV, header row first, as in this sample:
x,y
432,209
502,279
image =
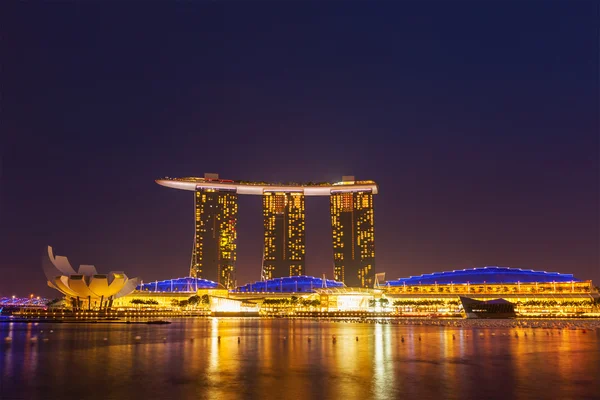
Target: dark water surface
x,y
275,360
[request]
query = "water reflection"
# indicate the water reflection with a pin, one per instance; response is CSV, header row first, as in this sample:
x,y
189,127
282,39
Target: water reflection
x,y
275,359
383,364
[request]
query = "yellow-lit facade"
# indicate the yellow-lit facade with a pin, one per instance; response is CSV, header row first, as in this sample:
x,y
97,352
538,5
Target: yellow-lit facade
x,y
530,299
497,289
284,238
352,225
214,251
536,298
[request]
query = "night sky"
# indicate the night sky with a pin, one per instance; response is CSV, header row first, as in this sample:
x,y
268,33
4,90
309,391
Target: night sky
x,y
479,121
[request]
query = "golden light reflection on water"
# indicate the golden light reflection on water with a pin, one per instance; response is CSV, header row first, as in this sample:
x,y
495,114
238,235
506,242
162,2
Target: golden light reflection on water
x,y
277,359
382,363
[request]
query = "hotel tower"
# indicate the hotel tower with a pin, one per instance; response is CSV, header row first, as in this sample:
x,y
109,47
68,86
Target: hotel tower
x,y
284,247
214,250
353,237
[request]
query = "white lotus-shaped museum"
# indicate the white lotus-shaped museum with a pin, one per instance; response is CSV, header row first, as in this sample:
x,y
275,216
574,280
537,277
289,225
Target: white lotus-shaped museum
x,y
86,282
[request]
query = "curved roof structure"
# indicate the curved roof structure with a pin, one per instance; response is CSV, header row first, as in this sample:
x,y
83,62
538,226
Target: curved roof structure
x,y
290,284
86,282
181,285
484,275
259,188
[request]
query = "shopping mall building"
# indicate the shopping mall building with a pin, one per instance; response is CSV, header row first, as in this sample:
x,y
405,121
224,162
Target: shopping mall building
x,y
533,293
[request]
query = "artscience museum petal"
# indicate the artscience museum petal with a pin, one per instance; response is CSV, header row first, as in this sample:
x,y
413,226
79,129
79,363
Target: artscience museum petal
x,y
86,282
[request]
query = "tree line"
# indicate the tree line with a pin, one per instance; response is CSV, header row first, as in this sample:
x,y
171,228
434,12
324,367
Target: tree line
x,y
150,302
292,301
193,301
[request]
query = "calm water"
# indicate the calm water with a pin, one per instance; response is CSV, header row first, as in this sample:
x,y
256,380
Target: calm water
x,y
275,360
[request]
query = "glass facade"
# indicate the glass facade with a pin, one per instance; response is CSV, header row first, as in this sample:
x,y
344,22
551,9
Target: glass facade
x,y
214,251
352,225
284,239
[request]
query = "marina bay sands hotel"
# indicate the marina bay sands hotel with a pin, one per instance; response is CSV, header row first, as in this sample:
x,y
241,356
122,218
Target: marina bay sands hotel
x,y
215,215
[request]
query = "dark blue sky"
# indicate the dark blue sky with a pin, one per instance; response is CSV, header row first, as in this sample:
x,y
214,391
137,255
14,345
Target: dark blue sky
x,y
478,120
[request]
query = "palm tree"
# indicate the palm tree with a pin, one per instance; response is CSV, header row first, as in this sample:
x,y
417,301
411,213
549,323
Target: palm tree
x,y
194,300
137,301
53,302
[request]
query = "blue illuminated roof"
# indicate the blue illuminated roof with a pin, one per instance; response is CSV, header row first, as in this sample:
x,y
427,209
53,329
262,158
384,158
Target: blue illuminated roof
x,y
289,284
187,284
486,274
